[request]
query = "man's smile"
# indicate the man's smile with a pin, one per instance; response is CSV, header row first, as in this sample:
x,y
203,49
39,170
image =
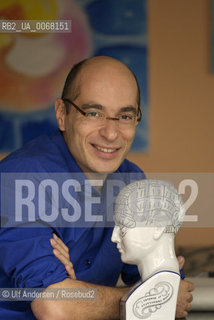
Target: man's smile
x,y
104,149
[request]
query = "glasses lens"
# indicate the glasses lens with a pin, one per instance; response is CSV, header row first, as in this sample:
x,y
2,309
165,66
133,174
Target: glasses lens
x,y
95,115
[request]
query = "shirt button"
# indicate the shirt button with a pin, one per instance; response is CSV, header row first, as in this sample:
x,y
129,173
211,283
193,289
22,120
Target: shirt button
x,y
87,262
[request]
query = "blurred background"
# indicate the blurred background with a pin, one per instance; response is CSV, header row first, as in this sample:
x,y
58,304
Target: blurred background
x,y
181,108
33,66
167,43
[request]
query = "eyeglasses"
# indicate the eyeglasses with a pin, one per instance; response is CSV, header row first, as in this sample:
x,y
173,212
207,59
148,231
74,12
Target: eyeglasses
x,y
99,117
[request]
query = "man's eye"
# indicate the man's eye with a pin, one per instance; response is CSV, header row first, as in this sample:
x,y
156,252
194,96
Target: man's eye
x,y
126,117
92,114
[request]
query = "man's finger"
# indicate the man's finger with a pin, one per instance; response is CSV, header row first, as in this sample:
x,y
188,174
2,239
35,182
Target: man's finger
x,y
181,261
189,307
70,271
56,245
190,286
62,258
60,242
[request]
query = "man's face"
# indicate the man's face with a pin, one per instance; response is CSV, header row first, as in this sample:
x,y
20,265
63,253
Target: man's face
x,y
101,148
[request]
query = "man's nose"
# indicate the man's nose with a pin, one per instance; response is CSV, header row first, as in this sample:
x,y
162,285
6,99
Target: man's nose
x,y
115,234
110,129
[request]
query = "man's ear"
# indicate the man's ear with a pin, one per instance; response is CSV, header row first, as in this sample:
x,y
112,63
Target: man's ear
x,y
60,113
158,232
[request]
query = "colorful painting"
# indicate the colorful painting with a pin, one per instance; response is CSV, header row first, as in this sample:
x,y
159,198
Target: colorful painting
x,y
33,66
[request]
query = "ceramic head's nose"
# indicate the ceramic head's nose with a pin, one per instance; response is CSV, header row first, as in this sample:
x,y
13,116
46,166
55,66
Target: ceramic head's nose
x,y
115,234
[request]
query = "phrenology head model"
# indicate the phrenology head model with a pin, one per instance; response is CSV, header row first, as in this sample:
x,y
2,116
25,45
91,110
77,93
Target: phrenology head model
x,y
145,211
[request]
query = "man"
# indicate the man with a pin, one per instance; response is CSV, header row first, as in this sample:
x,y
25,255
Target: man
x,y
97,118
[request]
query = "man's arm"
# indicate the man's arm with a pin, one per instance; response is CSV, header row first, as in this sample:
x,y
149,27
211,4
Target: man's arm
x,y
104,306
184,294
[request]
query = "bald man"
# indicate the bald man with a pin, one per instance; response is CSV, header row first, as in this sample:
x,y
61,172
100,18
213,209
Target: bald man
x,y
97,117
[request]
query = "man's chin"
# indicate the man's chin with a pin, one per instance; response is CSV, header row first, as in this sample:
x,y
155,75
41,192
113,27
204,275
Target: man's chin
x,y
106,169
102,168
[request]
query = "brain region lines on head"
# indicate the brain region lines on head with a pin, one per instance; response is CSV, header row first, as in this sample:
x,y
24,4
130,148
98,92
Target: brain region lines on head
x,y
151,203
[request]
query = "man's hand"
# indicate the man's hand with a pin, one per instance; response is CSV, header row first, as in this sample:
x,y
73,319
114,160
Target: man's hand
x,y
184,295
61,251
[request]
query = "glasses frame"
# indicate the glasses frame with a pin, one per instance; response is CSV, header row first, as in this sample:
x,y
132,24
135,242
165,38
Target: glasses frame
x,y
138,117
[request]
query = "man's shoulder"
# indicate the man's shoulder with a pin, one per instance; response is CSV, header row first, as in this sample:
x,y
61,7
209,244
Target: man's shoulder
x,y
31,157
128,166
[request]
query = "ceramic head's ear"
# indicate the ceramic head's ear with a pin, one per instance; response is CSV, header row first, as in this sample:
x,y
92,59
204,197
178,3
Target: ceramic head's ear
x,y
158,232
60,111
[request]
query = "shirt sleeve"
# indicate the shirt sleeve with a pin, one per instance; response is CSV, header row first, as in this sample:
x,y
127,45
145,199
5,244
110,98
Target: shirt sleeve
x,y
130,274
27,258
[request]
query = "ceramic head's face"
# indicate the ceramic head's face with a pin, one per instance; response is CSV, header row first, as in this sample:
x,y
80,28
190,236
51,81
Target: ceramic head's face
x,y
134,243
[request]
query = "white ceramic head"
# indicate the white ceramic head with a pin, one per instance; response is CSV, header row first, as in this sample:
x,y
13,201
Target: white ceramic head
x,y
144,211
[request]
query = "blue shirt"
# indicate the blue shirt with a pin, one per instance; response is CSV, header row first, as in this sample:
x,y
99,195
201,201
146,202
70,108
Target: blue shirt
x,y
27,260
